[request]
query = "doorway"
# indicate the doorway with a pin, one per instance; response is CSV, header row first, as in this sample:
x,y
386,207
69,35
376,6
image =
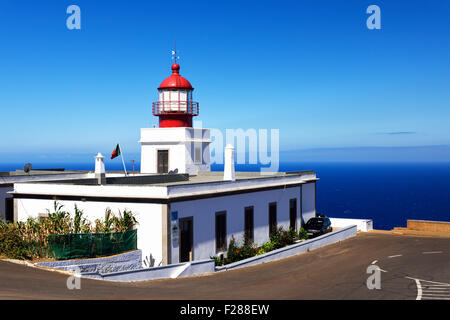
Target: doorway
x,y
186,239
9,209
163,161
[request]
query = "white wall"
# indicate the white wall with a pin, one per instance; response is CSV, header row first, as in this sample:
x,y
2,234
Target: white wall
x,y
181,143
363,225
148,215
203,212
149,155
309,201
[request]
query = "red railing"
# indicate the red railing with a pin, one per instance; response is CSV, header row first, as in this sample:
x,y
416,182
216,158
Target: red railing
x,y
169,107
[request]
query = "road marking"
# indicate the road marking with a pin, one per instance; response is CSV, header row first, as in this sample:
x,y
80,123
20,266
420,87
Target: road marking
x,y
395,256
431,252
435,298
433,282
434,290
419,289
375,261
429,295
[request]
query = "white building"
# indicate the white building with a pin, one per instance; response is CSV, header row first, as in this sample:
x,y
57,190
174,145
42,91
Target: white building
x,y
185,211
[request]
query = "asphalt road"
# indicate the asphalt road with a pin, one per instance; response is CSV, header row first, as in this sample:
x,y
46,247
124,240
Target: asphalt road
x,y
411,267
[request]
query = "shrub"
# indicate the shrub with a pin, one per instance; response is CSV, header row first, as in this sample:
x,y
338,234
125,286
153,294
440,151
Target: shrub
x,y
281,237
238,252
303,234
12,242
266,247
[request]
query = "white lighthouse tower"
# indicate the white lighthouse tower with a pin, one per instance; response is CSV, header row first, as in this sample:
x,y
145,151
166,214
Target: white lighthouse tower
x,y
175,145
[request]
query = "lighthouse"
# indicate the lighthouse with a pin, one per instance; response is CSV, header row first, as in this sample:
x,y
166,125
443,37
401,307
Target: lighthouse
x,y
175,145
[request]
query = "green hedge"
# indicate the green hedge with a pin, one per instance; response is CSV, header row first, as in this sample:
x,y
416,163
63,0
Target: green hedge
x,y
91,245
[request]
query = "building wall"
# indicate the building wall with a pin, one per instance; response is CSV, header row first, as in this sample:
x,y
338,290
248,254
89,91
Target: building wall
x,y
148,215
203,213
309,201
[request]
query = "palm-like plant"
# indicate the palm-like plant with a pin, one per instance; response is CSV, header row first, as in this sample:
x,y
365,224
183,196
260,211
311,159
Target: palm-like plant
x,y
109,221
78,221
125,221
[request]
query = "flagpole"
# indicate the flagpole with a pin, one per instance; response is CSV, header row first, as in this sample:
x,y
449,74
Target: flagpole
x,y
123,162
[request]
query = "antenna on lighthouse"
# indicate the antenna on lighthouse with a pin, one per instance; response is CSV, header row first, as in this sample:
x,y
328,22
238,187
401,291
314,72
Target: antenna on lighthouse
x,y
174,52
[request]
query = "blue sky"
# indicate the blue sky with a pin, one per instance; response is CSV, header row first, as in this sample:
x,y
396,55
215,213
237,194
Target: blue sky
x,y
309,68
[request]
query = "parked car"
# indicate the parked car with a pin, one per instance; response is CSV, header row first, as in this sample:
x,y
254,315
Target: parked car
x,y
318,225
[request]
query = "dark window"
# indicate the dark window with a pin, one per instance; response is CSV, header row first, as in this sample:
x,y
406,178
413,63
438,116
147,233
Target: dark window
x,y
9,206
293,214
272,217
248,225
221,231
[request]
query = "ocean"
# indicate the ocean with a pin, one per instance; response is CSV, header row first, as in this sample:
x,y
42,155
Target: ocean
x,y
388,193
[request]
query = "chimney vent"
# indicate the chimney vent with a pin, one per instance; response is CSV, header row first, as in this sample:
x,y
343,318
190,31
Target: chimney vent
x,y
228,172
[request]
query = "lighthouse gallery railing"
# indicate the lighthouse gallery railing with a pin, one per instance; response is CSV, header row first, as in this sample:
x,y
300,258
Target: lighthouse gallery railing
x,y
184,107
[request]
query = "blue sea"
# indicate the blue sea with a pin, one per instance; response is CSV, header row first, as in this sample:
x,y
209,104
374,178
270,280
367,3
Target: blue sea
x,y
388,193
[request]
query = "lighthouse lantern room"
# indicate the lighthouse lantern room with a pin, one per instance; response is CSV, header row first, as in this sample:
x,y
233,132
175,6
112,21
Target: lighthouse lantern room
x,y
175,145
175,107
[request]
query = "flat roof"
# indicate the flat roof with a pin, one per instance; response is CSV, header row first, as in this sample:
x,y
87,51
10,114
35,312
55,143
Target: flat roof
x,y
217,176
162,187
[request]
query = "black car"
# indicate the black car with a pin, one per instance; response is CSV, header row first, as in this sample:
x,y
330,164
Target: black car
x,y
317,226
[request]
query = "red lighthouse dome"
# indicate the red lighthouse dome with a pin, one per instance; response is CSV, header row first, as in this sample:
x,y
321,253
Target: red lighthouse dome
x,y
175,107
175,80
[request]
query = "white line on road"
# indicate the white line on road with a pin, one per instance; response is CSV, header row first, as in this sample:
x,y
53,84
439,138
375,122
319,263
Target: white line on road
x,y
397,255
431,252
426,295
433,282
375,261
419,290
431,291
435,298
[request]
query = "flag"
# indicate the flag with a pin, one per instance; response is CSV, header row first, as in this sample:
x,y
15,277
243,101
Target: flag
x,y
116,152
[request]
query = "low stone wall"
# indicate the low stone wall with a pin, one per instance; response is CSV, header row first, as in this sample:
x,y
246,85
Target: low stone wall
x,y
431,226
126,261
170,271
323,240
